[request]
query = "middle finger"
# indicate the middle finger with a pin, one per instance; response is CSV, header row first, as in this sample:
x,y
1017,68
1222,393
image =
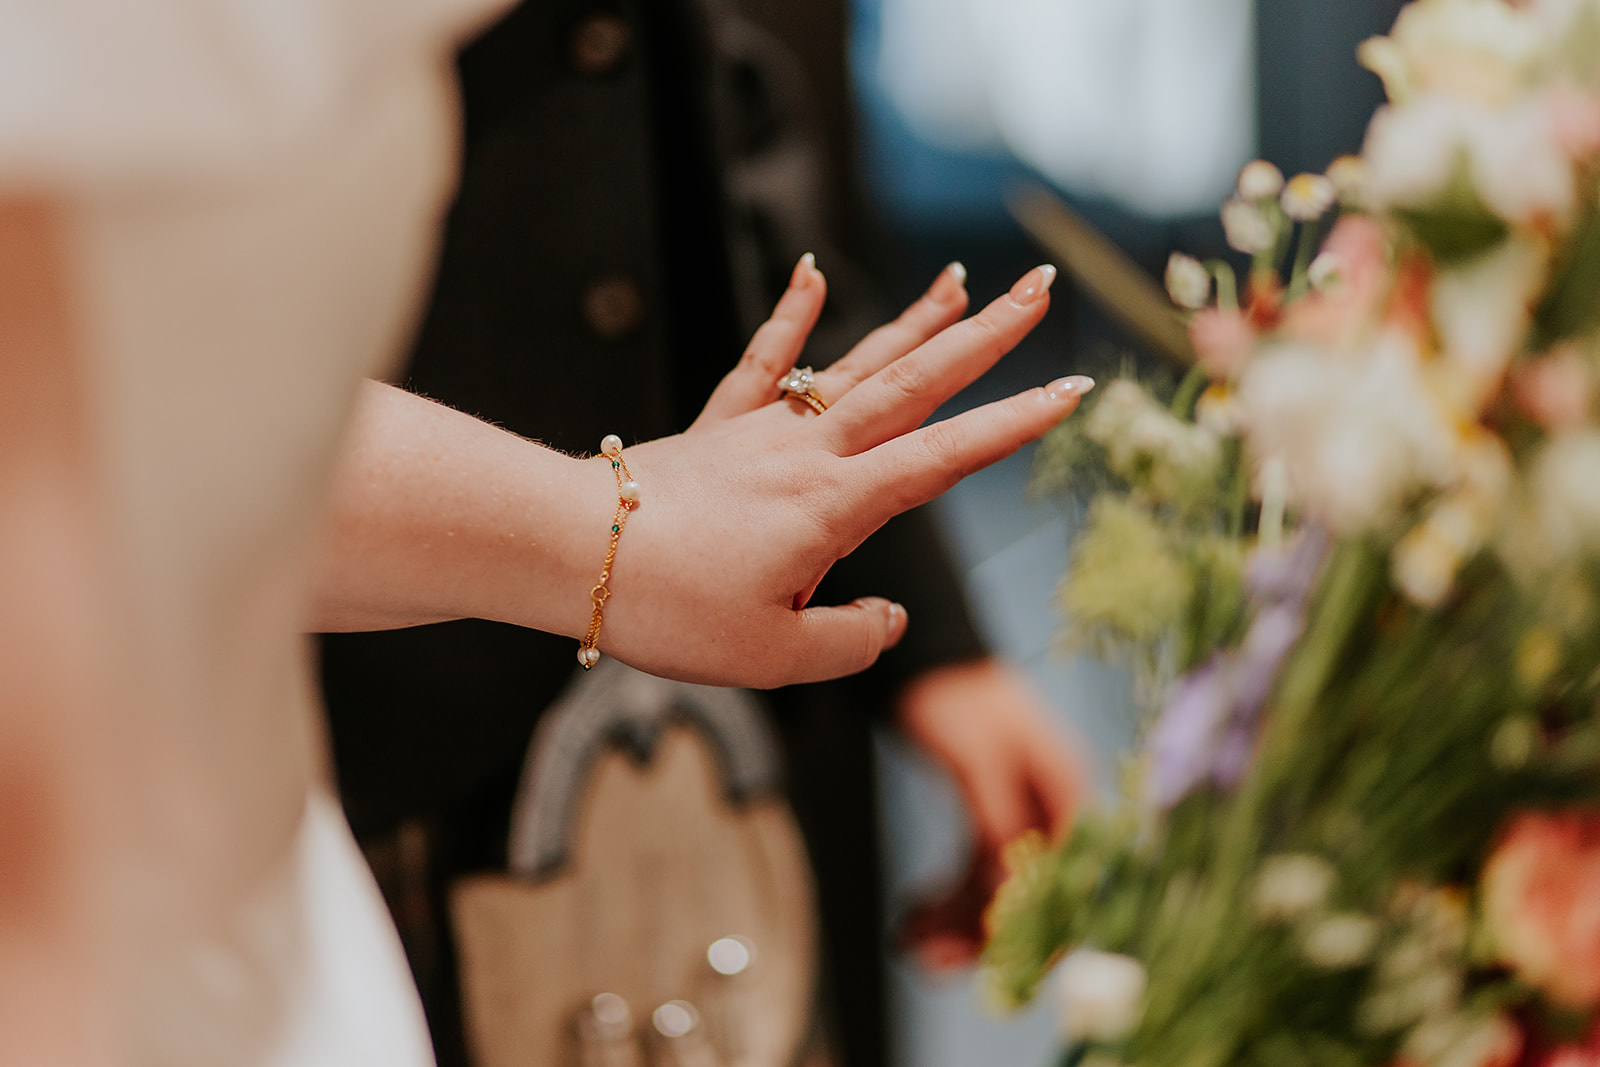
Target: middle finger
x,y
898,398
941,306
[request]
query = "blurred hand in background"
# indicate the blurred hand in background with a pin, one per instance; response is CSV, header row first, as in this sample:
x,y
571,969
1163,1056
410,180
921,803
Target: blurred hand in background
x,y
985,725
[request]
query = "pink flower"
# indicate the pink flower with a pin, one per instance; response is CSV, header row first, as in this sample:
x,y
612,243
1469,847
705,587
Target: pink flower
x,y
1223,340
1335,315
1555,391
1574,117
1541,892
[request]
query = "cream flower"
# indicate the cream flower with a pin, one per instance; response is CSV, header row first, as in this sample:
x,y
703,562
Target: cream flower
x,y
1476,49
1326,271
1188,281
1358,434
1348,174
1146,444
1458,1040
1514,160
1247,227
1340,941
1520,167
1482,310
1411,153
1259,180
1566,494
1425,562
1290,885
1308,197
1099,995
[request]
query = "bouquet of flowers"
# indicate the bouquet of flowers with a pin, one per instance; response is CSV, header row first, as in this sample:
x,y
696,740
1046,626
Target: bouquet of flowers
x,y
1353,565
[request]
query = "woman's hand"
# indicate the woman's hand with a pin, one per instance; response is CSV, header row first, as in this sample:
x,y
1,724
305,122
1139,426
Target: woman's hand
x,y
743,514
437,515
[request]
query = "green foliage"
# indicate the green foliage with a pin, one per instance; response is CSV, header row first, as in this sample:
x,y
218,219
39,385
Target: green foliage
x,y
1388,755
1571,306
1457,226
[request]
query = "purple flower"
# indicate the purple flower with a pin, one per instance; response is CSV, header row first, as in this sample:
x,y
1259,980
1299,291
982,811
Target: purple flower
x,y
1183,740
1207,731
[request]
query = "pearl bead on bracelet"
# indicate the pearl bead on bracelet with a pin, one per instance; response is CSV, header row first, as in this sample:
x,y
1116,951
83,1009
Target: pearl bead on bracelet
x,y
627,500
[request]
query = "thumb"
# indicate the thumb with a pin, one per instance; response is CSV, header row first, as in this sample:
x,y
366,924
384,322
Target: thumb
x,y
843,640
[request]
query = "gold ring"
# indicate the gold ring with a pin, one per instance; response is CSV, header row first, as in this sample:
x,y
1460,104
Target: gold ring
x,y
799,384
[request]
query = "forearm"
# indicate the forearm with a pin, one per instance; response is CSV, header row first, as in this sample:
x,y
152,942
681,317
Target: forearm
x,y
437,515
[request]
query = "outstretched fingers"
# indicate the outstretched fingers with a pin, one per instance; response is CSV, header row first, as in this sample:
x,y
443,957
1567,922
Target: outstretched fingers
x,y
898,398
939,308
916,467
775,347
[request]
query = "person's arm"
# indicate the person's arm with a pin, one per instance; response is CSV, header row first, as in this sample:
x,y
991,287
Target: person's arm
x,y
55,657
438,515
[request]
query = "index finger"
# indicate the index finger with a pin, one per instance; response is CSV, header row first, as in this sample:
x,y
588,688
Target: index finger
x,y
914,468
898,398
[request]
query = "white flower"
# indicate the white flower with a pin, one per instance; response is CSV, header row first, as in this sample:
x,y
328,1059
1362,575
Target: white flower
x,y
1146,444
1412,152
1247,227
1426,560
1358,433
1308,197
1218,410
1513,157
1458,1040
1519,167
1290,885
1479,49
1326,271
1259,180
1482,310
1340,941
1348,174
1099,995
1188,281
1566,491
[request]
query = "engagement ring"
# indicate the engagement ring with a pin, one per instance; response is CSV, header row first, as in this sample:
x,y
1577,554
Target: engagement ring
x,y
799,384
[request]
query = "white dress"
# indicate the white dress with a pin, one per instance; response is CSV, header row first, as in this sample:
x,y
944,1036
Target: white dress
x,y
251,191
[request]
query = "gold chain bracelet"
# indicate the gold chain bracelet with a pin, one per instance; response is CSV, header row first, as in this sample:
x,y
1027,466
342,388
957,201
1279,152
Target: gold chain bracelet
x,y
627,500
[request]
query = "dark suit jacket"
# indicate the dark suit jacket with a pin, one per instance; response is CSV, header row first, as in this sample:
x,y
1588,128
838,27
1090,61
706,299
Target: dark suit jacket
x,y
639,178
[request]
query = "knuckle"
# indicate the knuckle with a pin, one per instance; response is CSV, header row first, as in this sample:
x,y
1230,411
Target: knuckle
x,y
908,377
987,329
943,446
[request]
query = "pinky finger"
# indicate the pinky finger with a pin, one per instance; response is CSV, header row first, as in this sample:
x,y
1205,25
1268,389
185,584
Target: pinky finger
x,y
774,349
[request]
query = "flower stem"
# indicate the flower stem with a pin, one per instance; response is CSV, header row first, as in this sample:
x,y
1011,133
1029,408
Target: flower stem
x,y
1300,278
1227,283
1188,390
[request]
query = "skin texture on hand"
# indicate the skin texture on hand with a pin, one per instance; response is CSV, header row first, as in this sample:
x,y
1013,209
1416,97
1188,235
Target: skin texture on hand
x,y
437,515
986,726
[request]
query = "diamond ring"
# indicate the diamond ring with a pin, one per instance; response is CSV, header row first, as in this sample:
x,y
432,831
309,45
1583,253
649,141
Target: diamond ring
x,y
799,384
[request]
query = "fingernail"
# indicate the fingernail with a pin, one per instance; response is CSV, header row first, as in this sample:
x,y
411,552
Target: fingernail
x,y
1032,285
948,285
1076,385
897,624
803,271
